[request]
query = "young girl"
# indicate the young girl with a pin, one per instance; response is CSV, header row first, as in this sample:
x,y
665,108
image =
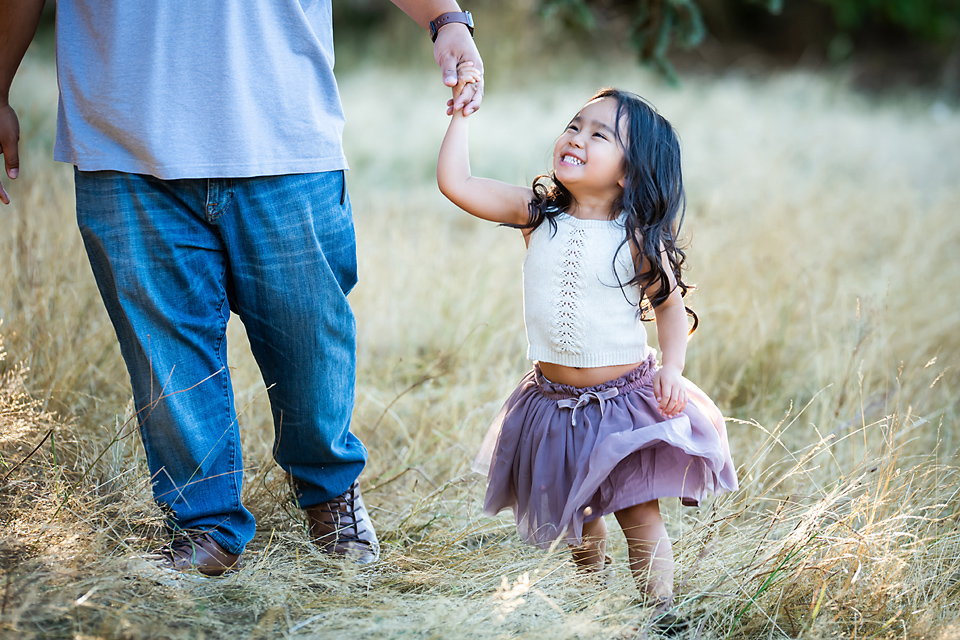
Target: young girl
x,y
598,427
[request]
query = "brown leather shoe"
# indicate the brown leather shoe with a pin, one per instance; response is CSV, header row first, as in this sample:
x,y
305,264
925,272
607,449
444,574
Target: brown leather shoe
x,y
342,526
196,551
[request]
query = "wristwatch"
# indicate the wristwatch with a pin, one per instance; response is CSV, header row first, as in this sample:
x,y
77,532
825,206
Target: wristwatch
x,y
462,17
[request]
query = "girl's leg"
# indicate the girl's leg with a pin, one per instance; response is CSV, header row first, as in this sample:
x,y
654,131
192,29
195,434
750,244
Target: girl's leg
x,y
590,553
651,556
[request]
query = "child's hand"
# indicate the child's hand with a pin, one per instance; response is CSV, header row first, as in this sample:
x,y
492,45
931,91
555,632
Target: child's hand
x,y
468,79
670,391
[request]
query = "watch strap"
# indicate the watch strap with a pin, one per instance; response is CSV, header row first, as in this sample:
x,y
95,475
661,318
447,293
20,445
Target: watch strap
x,y
462,17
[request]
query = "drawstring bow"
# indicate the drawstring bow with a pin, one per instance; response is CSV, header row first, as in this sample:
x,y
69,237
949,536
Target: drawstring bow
x,y
600,396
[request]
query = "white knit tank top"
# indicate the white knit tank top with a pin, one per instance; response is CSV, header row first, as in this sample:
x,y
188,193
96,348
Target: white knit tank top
x,y
574,309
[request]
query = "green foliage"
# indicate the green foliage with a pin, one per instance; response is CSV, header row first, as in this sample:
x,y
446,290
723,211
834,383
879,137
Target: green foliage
x,y
656,26
573,13
773,6
927,20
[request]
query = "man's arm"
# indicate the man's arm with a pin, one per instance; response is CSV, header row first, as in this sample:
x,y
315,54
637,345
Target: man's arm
x,y
454,45
18,24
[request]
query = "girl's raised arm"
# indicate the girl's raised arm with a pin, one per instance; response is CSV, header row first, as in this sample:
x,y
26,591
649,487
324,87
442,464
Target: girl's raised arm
x,y
484,198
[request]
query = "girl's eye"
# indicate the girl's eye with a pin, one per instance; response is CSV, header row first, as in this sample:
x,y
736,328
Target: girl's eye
x,y
601,136
572,127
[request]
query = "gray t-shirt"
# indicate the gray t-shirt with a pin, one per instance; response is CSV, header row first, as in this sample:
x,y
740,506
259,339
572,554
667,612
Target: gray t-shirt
x,y
198,88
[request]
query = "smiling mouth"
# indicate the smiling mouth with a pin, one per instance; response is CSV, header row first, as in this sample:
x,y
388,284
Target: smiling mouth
x,y
572,160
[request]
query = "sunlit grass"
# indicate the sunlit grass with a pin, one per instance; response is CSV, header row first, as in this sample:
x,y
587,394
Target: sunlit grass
x,y
823,235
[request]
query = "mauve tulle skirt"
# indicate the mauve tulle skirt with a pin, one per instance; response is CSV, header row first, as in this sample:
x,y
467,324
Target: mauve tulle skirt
x,y
559,456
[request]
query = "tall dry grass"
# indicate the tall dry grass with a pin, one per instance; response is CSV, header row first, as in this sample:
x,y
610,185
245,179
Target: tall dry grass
x,y
823,235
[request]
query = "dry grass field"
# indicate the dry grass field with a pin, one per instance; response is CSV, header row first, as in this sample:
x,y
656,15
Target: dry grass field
x,y
824,235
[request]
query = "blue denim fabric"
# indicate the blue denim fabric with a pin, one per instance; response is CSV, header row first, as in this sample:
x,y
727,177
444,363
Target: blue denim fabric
x,y
172,259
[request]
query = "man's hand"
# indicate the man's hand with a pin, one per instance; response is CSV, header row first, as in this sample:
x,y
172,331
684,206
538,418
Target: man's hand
x,y
9,138
18,23
453,47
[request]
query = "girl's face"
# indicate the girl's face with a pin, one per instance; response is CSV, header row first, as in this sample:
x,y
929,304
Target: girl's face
x,y
588,157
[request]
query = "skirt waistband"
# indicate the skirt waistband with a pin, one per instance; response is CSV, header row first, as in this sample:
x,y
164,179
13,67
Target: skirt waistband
x,y
629,381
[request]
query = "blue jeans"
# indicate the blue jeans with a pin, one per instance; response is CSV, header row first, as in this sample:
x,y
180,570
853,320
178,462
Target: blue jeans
x,y
172,258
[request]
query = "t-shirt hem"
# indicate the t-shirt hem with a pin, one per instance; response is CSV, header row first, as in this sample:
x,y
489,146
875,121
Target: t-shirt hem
x,y
165,172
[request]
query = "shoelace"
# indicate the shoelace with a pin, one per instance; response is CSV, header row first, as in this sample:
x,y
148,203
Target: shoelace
x,y
184,546
348,500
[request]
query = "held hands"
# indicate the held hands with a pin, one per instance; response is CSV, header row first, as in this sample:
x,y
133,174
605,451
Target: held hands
x,y
669,390
468,79
454,51
9,137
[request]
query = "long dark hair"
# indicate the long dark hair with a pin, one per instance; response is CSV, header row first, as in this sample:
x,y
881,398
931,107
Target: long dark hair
x,y
652,198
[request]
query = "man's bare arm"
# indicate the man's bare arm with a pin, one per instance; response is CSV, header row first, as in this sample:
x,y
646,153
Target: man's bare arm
x,y
454,45
18,24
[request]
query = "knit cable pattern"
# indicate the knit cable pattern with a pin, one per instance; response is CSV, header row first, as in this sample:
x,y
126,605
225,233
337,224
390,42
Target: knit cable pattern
x,y
566,330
